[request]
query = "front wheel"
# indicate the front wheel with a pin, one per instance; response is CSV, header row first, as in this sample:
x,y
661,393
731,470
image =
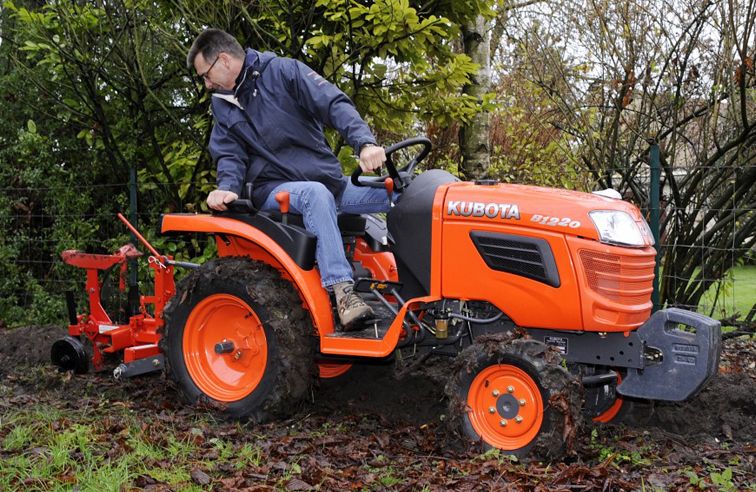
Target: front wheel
x,y
237,339
515,395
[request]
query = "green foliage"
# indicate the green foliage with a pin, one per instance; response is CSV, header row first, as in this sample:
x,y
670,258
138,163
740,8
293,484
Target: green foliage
x,y
396,63
527,150
607,452
44,213
722,481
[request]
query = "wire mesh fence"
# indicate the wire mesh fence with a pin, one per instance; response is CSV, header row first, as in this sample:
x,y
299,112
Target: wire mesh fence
x,y
708,240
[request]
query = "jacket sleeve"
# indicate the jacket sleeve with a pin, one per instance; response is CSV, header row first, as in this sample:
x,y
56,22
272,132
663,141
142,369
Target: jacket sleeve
x,y
327,103
228,153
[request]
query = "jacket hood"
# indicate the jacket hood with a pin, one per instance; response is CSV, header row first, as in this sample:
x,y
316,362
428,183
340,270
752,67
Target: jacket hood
x,y
257,60
254,64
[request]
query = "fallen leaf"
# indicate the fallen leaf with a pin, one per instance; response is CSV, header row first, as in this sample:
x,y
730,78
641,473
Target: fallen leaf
x,y
297,484
200,477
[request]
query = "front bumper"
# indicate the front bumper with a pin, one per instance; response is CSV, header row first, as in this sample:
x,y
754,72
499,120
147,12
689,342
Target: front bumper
x,y
678,362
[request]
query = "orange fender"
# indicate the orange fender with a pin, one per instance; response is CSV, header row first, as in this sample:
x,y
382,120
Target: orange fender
x,y
236,238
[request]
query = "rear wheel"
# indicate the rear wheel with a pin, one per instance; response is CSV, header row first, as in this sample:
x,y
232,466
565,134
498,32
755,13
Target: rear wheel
x,y
514,395
603,405
238,339
332,370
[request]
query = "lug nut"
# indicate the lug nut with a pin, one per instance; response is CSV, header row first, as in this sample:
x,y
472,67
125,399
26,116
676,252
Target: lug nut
x,y
491,410
522,402
237,355
496,392
503,422
518,419
510,389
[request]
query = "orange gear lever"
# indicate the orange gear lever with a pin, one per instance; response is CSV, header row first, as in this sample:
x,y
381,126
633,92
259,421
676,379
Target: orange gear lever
x,y
389,183
282,197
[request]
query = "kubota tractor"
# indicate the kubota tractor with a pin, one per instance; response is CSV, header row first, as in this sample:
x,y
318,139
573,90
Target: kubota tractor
x,y
541,297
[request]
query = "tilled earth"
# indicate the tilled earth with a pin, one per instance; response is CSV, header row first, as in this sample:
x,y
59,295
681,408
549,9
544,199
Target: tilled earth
x,y
374,421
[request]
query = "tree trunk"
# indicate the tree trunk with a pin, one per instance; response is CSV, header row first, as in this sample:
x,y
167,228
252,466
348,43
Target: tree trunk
x,y
473,136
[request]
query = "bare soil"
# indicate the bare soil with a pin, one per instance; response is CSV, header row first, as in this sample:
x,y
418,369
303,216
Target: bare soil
x,y
403,420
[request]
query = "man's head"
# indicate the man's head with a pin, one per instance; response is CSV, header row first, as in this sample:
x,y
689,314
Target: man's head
x,y
217,57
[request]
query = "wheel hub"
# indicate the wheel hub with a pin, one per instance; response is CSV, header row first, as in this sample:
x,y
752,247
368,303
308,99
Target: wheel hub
x,y
506,407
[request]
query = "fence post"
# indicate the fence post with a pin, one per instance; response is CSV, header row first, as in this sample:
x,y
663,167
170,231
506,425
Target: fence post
x,y
654,198
133,278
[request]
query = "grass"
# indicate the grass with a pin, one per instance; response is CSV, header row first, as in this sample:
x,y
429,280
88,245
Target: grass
x,y
736,295
41,448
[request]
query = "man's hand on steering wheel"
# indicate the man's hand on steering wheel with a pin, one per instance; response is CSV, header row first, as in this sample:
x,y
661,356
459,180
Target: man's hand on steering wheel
x,y
400,176
372,157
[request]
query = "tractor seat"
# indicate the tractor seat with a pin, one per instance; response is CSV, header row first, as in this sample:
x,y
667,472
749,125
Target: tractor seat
x,y
349,224
77,258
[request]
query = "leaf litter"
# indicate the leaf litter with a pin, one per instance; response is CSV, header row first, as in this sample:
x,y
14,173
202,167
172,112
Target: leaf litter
x,y
367,430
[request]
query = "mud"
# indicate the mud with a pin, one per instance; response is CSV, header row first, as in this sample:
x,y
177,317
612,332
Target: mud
x,y
29,346
724,410
373,389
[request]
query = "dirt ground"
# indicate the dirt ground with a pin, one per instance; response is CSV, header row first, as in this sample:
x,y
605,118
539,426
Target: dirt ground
x,y
404,420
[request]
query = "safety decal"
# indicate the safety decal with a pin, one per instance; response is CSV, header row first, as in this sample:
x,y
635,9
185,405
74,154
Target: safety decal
x,y
559,343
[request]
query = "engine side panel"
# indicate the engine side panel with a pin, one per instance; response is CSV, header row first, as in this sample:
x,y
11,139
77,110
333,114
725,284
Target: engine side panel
x,y
528,302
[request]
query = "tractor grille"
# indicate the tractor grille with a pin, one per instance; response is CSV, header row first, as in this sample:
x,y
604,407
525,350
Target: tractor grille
x,y
524,256
625,279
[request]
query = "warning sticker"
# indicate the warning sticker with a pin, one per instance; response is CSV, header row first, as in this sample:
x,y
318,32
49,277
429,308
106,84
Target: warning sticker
x,y
559,343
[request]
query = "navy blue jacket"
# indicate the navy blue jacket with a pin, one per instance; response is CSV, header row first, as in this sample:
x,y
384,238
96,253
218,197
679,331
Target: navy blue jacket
x,y
269,130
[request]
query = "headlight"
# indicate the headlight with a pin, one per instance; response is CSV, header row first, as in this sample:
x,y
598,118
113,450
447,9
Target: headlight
x,y
647,233
616,227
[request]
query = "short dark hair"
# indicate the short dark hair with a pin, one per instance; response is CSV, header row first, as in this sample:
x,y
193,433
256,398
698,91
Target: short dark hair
x,y
211,43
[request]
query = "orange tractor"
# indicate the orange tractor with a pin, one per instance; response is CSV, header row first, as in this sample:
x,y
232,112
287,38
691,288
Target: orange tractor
x,y
542,296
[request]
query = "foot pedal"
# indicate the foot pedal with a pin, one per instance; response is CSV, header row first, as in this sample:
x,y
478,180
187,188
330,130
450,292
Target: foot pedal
x,y
369,285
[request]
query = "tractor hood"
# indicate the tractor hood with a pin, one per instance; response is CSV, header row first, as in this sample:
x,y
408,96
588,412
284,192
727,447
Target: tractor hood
x,y
534,207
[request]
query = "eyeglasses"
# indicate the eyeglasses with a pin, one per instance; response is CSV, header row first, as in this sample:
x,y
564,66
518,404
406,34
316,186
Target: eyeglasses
x,y
203,76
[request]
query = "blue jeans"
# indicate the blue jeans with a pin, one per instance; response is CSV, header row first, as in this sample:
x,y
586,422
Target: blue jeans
x,y
318,208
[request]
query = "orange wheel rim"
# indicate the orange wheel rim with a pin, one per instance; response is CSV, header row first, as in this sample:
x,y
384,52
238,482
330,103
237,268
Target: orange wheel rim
x,y
612,411
235,372
505,406
328,370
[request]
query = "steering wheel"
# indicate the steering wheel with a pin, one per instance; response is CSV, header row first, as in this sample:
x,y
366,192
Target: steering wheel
x,y
401,177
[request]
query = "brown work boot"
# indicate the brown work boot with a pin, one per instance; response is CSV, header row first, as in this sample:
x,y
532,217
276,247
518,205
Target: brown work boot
x,y
351,308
